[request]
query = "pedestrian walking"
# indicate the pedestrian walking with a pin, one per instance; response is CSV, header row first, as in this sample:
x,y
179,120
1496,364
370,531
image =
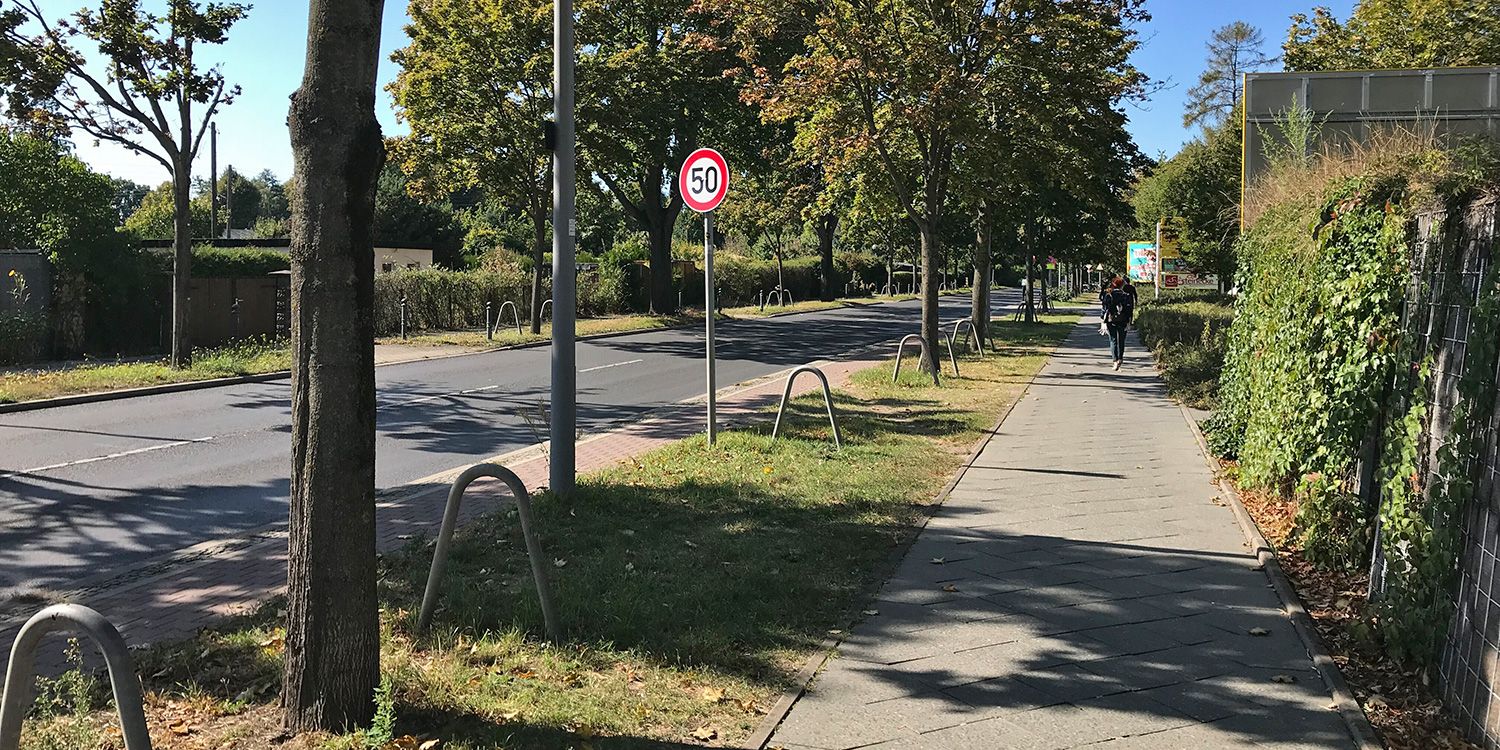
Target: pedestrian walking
x,y
1119,308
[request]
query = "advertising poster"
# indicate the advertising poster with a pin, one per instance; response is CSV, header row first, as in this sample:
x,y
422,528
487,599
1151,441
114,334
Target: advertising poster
x,y
1140,261
1175,272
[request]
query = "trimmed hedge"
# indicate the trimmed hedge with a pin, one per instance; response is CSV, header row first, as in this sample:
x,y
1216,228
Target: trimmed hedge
x,y
223,262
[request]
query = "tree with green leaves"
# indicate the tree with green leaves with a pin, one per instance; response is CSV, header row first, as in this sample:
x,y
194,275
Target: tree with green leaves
x,y
1234,50
155,218
405,215
1200,185
144,100
1396,34
52,202
651,90
899,84
475,86
332,663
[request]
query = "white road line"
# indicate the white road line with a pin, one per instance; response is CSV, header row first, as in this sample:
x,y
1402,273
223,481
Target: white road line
x,y
617,364
439,397
121,454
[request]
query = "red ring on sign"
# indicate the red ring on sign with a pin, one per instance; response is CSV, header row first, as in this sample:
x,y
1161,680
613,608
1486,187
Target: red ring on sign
x,y
713,202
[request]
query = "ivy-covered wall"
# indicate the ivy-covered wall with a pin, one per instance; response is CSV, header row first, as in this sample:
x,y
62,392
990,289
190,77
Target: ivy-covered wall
x,y
1361,380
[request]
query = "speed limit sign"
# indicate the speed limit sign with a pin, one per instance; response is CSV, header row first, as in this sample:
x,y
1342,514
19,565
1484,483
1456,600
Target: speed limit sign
x,y
704,180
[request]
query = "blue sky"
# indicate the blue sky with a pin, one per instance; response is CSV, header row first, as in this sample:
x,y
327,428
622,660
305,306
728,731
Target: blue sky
x,y
264,56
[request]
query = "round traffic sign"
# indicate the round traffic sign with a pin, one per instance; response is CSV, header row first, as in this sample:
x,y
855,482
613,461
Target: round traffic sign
x,y
704,180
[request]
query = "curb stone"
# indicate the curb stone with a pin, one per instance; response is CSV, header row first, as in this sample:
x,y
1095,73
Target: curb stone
x,y
1363,733
826,650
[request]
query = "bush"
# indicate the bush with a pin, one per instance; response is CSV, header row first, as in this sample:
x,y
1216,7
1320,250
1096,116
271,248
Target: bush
x,y
223,262
23,337
443,300
1188,333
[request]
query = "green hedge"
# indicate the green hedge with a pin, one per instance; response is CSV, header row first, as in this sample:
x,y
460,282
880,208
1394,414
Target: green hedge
x,y
1188,333
223,262
443,300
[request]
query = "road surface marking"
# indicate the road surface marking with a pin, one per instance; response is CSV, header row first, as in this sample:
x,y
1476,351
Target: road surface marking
x,y
606,367
121,454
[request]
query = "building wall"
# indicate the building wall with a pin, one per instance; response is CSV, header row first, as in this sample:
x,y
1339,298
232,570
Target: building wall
x,y
398,258
38,273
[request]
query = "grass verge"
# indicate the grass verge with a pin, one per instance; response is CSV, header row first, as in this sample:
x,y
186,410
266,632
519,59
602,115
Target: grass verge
x,y
507,335
251,357
692,583
1187,331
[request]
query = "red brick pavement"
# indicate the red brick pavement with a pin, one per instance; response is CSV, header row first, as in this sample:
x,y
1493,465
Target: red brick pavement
x,y
229,577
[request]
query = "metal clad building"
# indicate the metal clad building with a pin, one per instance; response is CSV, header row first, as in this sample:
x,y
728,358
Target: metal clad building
x,y
1351,104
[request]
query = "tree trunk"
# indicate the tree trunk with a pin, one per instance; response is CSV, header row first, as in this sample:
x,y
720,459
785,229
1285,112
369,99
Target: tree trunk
x,y
539,247
1030,301
826,227
659,240
182,258
931,333
333,629
780,275
979,301
1046,276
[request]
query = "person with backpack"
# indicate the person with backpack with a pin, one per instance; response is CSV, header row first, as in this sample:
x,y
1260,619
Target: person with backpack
x,y
1119,308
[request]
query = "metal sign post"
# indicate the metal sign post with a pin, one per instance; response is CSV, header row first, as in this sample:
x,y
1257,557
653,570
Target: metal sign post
x,y
708,319
703,183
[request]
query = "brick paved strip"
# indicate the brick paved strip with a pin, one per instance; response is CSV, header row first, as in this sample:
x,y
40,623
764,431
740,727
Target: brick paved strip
x,y
234,577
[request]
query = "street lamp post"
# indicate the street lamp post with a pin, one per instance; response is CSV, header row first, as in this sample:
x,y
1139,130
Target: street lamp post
x,y
564,269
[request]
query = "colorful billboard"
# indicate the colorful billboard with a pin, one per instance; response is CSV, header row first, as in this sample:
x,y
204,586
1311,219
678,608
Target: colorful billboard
x,y
1140,261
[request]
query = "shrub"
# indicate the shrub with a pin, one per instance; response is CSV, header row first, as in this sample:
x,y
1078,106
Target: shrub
x,y
23,337
1187,331
444,300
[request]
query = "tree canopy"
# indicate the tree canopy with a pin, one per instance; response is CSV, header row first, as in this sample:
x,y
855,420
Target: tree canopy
x,y
1396,34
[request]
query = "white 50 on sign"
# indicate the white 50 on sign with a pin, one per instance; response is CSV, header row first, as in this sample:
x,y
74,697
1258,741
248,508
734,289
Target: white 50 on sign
x,y
704,180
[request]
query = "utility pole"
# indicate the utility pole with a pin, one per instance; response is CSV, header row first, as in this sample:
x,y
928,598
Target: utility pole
x,y
564,268
213,180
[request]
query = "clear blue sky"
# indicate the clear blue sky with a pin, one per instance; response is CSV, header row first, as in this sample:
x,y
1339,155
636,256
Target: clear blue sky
x,y
264,56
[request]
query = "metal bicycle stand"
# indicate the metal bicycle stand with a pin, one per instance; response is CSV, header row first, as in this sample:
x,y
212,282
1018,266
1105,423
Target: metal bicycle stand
x,y
546,303
489,328
827,400
21,673
973,336
901,350
403,317
515,316
445,538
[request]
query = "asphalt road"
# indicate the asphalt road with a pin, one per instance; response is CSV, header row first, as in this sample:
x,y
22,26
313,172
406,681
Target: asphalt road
x,y
97,489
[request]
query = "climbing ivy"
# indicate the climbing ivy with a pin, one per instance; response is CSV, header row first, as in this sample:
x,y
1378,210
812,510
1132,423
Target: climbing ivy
x,y
1421,522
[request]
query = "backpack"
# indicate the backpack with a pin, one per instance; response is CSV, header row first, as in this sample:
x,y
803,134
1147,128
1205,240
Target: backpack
x,y
1118,307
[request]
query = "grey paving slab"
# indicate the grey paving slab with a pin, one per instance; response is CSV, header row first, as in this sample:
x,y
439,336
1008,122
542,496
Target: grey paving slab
x,y
1091,593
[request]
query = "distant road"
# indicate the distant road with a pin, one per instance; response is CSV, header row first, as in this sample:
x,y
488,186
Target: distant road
x,y
99,488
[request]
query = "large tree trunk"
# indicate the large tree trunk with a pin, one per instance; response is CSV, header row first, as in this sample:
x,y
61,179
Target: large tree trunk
x,y
182,258
979,301
659,241
931,332
826,226
333,628
539,246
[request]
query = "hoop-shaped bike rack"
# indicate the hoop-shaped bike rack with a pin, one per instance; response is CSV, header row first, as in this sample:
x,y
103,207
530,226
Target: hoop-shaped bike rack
x,y
21,674
546,303
973,336
786,396
784,298
901,350
515,316
533,547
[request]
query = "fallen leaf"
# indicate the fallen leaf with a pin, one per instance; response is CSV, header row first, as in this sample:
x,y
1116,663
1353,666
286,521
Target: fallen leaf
x,y
180,728
559,562
712,694
950,588
690,544
1259,631
706,732
1376,702
629,567
1284,679
767,470
939,560
871,612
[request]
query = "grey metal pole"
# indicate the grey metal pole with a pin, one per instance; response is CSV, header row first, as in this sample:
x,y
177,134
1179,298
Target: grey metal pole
x,y
708,318
564,268
213,180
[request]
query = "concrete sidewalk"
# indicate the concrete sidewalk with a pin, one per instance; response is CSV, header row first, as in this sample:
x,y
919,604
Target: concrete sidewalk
x,y
1081,587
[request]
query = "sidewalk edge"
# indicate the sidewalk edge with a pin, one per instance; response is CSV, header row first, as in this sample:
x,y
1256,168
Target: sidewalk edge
x,y
1361,731
814,664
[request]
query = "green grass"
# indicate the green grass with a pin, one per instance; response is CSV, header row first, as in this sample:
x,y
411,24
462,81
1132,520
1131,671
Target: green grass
x,y
251,357
692,582
1187,333
507,335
